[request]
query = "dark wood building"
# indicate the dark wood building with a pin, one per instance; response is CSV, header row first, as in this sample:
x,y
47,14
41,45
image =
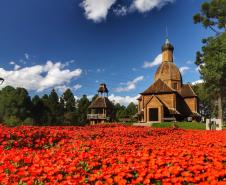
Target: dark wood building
x,y
167,98
101,109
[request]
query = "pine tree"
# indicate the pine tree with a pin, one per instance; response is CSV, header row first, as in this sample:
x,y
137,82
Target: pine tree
x,y
83,105
212,58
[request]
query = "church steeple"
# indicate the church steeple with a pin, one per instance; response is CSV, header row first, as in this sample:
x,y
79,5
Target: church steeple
x,y
167,51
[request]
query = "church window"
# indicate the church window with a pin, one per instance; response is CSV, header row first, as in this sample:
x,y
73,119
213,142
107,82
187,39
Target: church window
x,y
175,85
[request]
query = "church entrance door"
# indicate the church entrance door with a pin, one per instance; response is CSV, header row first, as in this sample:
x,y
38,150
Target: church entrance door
x,y
153,114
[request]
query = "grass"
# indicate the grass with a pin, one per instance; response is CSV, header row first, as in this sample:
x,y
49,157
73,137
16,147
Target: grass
x,y
184,125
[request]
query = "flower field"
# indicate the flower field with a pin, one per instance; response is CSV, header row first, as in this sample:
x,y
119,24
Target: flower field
x,y
111,154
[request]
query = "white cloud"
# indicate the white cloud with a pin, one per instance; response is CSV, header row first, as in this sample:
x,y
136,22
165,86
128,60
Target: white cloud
x,y
16,67
197,82
12,63
69,62
77,86
184,69
39,77
120,10
148,5
155,62
61,88
189,62
123,100
130,85
97,10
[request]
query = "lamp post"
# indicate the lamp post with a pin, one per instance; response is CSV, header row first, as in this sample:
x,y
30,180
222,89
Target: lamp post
x,y
1,80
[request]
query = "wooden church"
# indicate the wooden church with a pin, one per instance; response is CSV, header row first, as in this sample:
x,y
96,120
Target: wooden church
x,y
101,109
168,99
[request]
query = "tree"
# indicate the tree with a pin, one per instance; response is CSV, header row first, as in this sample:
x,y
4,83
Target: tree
x,y
38,110
83,105
212,15
205,103
15,105
120,111
70,111
69,101
212,58
212,62
55,108
131,110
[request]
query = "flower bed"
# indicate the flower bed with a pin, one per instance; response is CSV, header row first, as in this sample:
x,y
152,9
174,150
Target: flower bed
x,y
111,154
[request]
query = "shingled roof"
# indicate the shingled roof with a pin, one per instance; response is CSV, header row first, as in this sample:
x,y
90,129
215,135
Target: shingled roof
x,y
187,91
158,87
100,102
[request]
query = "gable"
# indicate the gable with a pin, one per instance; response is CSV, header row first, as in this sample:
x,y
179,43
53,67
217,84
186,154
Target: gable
x,y
154,101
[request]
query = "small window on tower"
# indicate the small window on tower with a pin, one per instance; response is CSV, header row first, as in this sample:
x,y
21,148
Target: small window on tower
x,y
175,86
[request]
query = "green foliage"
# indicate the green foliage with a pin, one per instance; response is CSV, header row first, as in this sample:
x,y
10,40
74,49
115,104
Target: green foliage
x,y
17,108
131,110
183,125
212,58
68,100
15,104
205,102
212,15
83,105
12,121
28,121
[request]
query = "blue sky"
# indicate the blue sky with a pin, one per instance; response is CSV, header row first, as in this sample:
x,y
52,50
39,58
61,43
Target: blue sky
x,y
49,44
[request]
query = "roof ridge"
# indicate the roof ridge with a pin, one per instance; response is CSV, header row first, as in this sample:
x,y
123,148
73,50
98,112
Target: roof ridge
x,y
192,89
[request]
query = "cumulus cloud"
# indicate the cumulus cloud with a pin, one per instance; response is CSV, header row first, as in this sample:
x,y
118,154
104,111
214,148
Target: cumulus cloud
x,y
130,85
184,69
123,100
97,10
155,62
39,77
197,82
148,5
120,10
77,87
16,67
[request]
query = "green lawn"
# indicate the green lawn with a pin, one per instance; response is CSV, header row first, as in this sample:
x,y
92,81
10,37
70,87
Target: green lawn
x,y
184,125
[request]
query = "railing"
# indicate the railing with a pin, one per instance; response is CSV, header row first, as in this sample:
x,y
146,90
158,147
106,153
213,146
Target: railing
x,y
96,116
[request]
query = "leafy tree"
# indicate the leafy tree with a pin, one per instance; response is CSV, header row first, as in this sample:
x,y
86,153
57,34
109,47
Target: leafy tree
x,y
15,104
131,110
120,111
